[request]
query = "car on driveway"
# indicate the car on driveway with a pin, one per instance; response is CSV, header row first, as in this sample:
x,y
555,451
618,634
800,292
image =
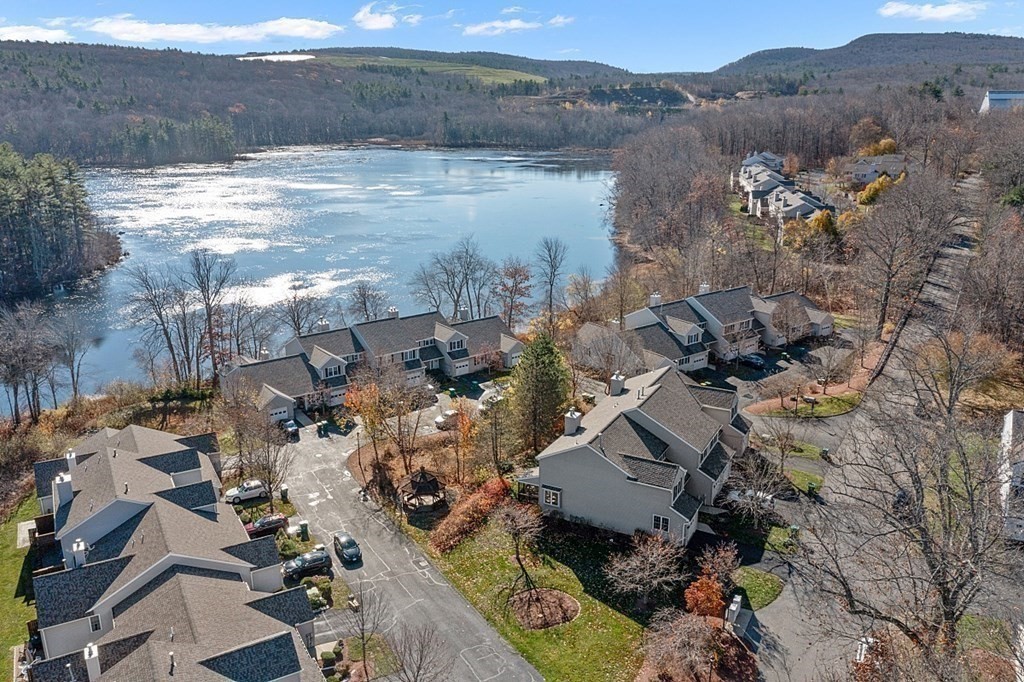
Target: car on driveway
x,y
753,360
267,525
314,562
247,490
290,428
446,420
347,549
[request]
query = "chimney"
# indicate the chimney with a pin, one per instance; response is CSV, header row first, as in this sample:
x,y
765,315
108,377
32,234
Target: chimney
x,y
572,421
172,662
617,385
323,325
463,313
72,459
704,288
655,300
264,354
92,661
78,553
126,487
62,492
393,313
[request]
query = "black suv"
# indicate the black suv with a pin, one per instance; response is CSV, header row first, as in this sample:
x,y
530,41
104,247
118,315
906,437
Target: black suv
x,y
310,563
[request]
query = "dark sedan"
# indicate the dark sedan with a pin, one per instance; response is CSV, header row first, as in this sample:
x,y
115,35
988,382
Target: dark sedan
x,y
268,525
311,563
347,549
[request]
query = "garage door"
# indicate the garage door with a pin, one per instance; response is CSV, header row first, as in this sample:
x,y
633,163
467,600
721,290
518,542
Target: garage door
x,y
278,415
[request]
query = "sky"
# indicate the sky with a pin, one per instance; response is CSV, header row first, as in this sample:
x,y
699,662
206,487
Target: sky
x,y
643,35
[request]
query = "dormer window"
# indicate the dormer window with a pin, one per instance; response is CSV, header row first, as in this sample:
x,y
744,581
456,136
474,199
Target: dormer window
x,y
423,343
409,355
692,339
332,371
457,344
745,324
678,488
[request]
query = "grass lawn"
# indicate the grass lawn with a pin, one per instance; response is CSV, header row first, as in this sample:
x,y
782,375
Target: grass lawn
x,y
604,641
985,632
800,449
260,508
484,73
801,479
827,406
735,527
15,610
382,658
841,321
758,588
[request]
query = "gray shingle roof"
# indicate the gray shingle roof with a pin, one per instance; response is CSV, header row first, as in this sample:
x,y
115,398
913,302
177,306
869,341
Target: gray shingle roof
x,y
626,436
716,461
270,659
200,494
173,462
686,505
261,552
656,339
69,595
673,406
713,397
650,471
204,442
291,375
741,423
391,335
728,305
341,342
483,334
291,607
45,472
680,310
430,353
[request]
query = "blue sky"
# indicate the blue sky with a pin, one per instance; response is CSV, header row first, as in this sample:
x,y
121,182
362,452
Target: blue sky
x,y
656,35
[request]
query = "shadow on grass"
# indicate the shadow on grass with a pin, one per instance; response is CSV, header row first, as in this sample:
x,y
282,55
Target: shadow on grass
x,y
426,521
23,589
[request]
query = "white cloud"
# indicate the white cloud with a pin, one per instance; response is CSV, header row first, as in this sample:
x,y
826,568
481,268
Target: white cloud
x,y
497,28
369,20
955,10
49,35
569,50
413,19
559,20
127,28
514,9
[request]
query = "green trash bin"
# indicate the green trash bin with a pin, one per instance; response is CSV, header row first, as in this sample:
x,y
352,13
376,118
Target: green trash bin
x,y
452,393
812,488
304,530
284,492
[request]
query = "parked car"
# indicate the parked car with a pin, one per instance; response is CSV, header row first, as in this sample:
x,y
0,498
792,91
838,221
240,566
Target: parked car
x,y
753,360
347,549
753,497
311,563
290,428
248,490
267,525
445,420
489,402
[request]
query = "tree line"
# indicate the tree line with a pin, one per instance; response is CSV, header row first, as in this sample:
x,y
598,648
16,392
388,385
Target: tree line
x,y
48,234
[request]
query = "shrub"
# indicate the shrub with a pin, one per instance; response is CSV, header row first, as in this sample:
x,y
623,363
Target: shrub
x,y
468,515
704,597
245,517
288,548
316,602
323,583
328,658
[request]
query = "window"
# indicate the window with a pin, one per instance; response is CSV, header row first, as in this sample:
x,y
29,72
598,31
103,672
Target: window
x,y
95,624
660,524
552,498
745,324
702,325
332,371
692,339
458,344
409,355
425,342
729,329
684,361
677,488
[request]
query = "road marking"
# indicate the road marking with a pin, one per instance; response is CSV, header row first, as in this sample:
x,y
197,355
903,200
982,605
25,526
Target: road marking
x,y
486,652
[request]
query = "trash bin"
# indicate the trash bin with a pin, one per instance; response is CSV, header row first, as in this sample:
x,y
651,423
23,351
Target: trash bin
x,y
284,492
304,530
452,393
812,488
824,454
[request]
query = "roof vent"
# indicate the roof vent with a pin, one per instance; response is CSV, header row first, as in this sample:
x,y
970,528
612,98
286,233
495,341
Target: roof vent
x,y
172,662
126,487
393,313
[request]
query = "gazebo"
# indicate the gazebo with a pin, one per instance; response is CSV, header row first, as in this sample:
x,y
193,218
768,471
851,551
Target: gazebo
x,y
422,491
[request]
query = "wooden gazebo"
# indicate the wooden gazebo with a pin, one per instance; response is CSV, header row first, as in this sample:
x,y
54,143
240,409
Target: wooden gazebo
x,y
422,491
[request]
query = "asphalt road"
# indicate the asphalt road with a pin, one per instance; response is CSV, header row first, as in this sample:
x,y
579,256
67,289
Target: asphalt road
x,y
327,496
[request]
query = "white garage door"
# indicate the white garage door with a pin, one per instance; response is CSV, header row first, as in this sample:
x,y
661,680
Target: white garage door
x,y
279,415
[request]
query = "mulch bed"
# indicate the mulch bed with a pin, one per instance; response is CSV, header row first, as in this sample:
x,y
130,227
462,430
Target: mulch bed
x,y
543,608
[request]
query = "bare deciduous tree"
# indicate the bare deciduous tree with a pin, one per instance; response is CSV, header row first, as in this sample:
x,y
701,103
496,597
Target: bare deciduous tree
x,y
421,654
549,266
523,524
652,566
301,310
367,301
210,276
72,342
370,619
678,644
512,289
757,481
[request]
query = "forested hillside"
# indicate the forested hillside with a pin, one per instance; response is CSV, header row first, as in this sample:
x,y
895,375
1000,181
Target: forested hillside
x,y
119,105
47,232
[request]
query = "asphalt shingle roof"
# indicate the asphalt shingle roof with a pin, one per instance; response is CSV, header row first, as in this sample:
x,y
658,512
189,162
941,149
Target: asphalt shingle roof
x,y
681,310
650,471
70,594
45,472
291,607
341,342
686,505
291,375
483,334
261,552
626,436
201,494
264,661
656,339
716,461
728,305
713,397
395,334
673,406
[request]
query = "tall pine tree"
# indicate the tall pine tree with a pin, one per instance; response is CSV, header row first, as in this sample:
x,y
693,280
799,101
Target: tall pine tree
x,y
539,393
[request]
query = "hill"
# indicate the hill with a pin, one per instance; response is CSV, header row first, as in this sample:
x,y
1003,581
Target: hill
x,y
886,49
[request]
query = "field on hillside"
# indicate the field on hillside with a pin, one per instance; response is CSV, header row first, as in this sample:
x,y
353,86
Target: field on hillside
x,y
484,73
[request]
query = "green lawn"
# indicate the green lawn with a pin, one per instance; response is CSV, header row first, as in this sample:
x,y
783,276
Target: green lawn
x,y
801,479
985,632
827,406
841,321
758,588
604,641
484,73
382,658
799,449
736,527
15,610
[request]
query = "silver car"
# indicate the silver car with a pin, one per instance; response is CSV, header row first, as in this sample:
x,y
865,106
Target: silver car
x,y
247,490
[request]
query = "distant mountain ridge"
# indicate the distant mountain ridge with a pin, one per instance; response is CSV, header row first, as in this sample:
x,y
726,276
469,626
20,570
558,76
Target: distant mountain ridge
x,y
885,49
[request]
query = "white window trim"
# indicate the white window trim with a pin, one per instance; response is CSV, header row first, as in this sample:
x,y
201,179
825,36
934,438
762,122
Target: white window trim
x,y
656,525
95,623
332,371
552,498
